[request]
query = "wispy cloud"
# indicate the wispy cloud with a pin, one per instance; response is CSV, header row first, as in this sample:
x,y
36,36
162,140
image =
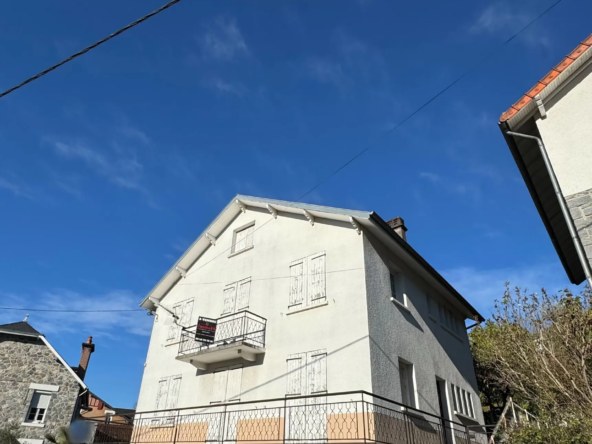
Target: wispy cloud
x,y
450,186
223,41
132,132
504,18
122,169
482,287
226,87
326,71
18,190
109,325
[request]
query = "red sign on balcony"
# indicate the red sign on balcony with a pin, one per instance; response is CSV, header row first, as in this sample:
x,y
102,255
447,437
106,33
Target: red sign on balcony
x,y
206,330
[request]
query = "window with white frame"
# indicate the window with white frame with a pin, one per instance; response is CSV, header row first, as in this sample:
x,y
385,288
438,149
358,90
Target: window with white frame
x,y
227,384
450,321
243,238
463,402
407,379
38,407
307,373
397,287
184,312
236,296
307,281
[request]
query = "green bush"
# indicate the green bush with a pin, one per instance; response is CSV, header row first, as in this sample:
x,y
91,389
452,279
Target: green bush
x,y
9,433
574,432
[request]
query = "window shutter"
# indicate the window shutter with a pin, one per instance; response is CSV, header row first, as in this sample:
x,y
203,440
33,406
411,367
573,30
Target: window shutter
x,y
175,385
185,318
249,236
458,399
229,299
161,395
317,372
174,328
295,375
297,283
470,400
220,383
233,389
244,290
316,270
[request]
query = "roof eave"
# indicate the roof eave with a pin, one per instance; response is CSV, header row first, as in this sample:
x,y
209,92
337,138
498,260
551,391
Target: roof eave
x,y
424,264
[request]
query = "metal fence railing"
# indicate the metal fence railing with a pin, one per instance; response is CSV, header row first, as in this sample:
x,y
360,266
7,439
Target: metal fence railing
x,y
348,417
243,326
112,433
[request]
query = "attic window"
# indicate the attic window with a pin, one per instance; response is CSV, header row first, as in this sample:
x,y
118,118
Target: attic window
x,y
243,238
38,407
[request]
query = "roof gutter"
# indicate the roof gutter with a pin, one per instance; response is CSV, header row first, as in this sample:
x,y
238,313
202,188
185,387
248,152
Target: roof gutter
x,y
566,214
411,251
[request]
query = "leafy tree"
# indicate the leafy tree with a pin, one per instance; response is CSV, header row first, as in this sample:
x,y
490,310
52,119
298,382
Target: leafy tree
x,y
62,436
538,348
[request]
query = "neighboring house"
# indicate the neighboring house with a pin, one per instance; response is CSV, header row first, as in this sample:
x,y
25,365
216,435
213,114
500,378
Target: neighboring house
x,y
280,307
558,111
39,391
97,409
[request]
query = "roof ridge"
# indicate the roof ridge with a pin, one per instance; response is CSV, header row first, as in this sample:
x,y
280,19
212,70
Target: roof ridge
x,y
584,46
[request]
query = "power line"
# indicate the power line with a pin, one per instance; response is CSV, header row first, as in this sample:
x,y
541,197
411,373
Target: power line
x,y
402,122
88,48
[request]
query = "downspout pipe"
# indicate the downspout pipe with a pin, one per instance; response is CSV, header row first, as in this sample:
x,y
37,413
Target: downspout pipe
x,y
566,214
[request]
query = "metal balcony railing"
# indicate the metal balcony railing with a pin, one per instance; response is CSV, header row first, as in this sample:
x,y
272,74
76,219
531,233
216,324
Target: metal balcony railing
x,y
242,327
347,417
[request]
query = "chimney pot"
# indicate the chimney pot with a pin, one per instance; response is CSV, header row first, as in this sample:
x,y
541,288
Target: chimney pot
x,y
87,349
398,225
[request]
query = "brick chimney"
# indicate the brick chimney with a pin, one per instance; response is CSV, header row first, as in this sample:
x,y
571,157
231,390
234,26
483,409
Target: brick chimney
x,y
398,224
87,349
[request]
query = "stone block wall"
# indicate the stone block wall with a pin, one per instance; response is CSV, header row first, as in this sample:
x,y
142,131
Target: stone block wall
x,y
24,361
580,206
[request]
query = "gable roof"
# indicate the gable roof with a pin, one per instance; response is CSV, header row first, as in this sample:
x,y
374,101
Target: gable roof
x,y
549,83
366,219
20,328
24,329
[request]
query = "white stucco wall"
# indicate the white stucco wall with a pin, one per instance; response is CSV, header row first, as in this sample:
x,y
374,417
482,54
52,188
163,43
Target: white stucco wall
x,y
567,134
413,336
340,327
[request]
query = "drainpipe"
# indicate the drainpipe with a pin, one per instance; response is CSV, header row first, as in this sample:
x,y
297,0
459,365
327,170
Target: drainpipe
x,y
566,214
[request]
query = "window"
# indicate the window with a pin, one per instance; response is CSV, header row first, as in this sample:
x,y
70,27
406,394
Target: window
x,y
307,281
307,373
432,308
463,401
397,288
184,311
168,392
227,384
236,296
450,321
38,407
407,384
243,238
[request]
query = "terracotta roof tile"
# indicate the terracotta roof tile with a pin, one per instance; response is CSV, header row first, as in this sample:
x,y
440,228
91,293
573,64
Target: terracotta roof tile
x,y
552,75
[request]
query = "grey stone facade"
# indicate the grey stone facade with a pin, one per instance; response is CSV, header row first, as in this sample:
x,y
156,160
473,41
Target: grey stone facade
x,y
580,206
27,360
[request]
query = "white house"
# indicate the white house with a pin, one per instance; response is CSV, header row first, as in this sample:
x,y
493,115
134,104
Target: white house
x,y
315,323
557,111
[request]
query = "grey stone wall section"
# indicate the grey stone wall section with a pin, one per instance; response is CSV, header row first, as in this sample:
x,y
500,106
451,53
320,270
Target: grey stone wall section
x,y
580,207
28,360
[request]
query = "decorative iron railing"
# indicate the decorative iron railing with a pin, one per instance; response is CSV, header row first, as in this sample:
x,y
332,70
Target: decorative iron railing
x,y
349,417
243,326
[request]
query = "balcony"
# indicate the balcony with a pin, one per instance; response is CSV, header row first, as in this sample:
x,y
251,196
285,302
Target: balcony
x,y
238,335
347,417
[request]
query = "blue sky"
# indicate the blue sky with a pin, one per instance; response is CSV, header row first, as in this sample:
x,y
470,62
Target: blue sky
x,y
113,164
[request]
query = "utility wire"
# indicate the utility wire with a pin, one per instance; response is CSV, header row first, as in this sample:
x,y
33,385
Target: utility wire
x,y
87,49
402,122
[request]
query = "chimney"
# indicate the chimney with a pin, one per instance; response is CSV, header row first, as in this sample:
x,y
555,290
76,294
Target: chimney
x,y
398,224
87,349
